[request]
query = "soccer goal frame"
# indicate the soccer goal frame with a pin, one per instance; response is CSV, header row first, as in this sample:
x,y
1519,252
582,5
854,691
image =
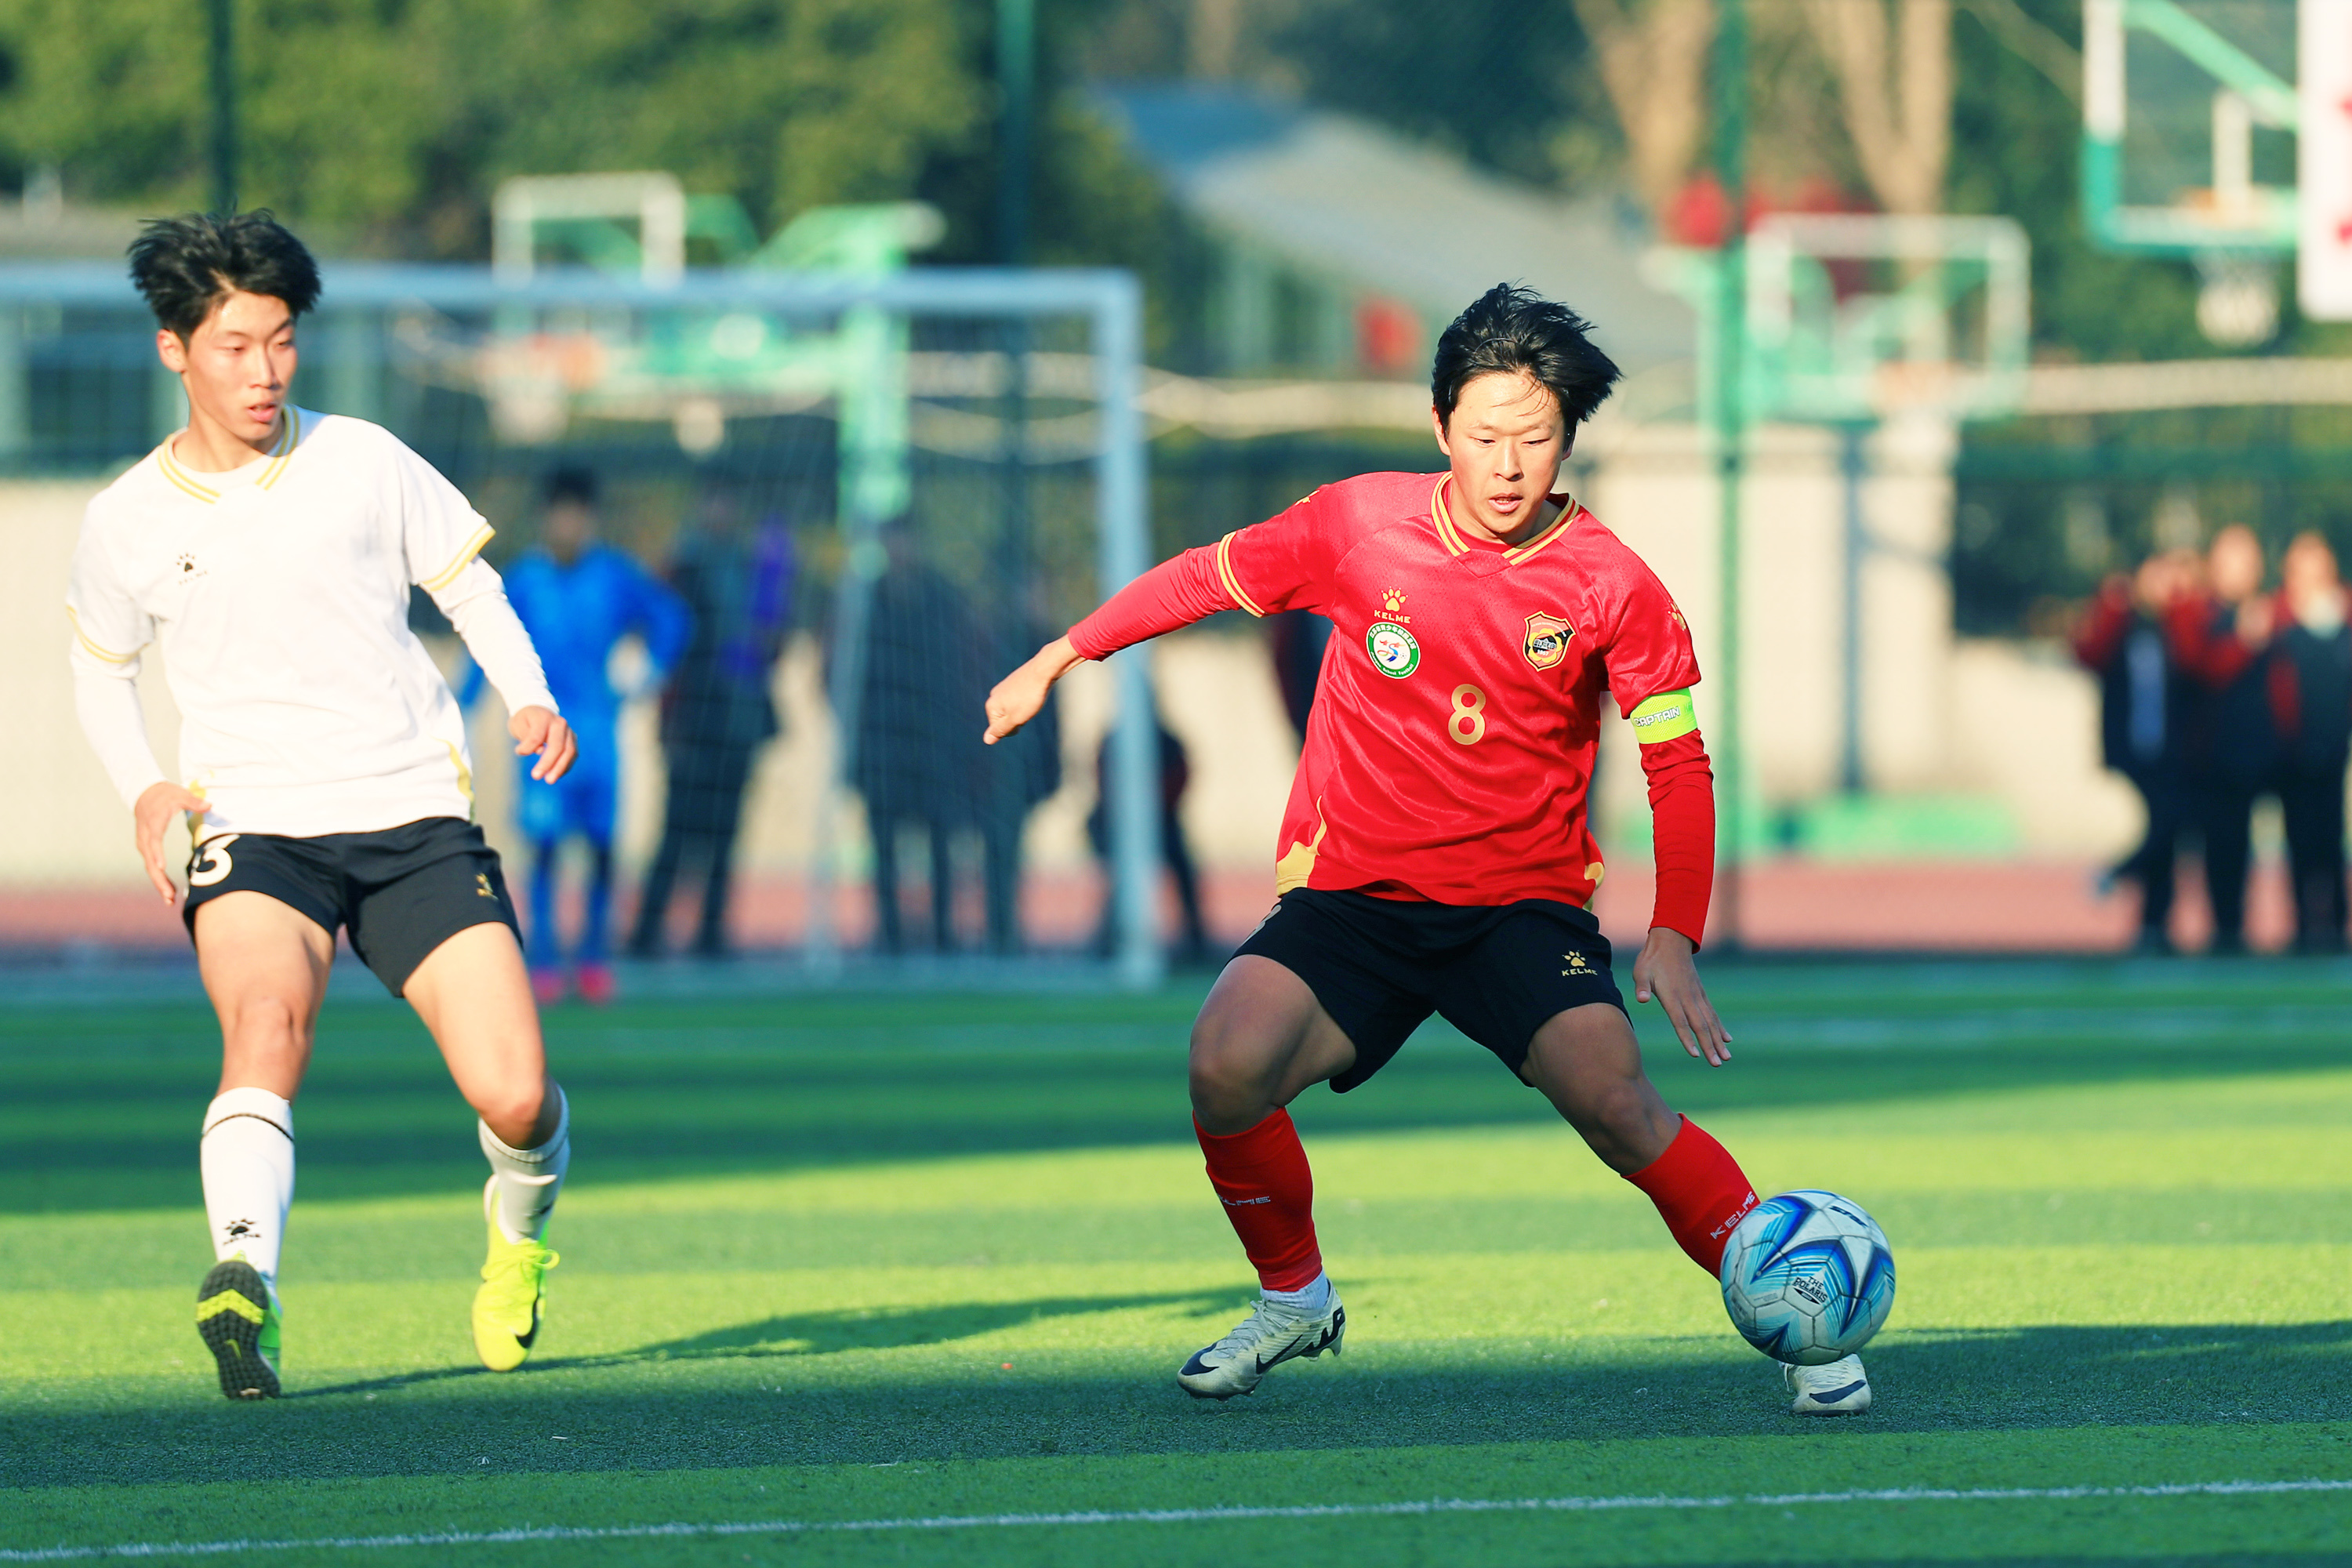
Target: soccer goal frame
x,y
1108,302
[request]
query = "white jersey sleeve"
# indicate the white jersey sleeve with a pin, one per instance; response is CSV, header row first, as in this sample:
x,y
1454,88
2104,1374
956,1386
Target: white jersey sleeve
x,y
110,630
442,536
440,531
476,602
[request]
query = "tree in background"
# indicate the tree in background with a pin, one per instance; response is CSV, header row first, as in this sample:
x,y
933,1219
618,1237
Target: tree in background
x,y
392,124
1654,62
1895,84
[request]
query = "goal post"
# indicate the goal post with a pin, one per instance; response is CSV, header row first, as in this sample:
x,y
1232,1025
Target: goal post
x,y
963,439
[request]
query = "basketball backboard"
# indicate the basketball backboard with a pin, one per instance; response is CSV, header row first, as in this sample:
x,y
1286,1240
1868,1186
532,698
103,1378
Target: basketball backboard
x,y
1853,316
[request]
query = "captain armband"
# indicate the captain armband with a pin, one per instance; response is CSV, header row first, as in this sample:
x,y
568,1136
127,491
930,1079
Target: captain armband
x,y
1665,717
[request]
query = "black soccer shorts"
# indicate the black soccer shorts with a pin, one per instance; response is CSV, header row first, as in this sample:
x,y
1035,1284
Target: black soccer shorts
x,y
400,892
1382,967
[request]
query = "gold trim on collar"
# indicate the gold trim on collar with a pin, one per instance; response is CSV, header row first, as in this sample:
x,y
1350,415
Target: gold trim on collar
x,y
1439,514
1451,537
291,418
290,436
170,467
1559,525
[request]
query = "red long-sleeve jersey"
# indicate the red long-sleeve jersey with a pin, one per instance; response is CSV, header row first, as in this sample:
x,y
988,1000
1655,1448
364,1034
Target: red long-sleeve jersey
x,y
1451,747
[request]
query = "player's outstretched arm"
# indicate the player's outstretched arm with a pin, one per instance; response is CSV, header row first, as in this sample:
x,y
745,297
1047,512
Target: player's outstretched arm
x,y
152,815
1666,973
1018,697
542,732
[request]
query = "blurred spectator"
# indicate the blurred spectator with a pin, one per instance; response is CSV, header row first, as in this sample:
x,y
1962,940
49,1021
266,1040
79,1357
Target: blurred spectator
x,y
2311,691
578,597
919,763
737,579
1296,639
1175,850
2220,637
2142,702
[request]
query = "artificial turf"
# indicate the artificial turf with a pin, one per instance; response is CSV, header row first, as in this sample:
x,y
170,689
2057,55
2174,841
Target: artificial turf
x,y
868,1259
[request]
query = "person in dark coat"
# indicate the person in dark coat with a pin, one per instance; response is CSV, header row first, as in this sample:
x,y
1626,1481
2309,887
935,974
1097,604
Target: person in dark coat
x,y
2221,636
2143,700
1175,850
737,579
918,761
2311,692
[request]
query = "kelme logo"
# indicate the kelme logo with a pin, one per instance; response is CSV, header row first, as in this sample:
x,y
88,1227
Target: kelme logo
x,y
1393,651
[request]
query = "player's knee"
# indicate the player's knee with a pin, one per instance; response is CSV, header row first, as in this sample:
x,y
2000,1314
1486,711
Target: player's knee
x,y
268,1022
514,1111
1224,1084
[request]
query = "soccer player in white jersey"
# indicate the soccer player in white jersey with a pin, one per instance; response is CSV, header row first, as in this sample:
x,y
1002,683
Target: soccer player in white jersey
x,y
269,551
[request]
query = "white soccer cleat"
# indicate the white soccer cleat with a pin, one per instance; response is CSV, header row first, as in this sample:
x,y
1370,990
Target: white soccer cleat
x,y
1270,1335
1838,1388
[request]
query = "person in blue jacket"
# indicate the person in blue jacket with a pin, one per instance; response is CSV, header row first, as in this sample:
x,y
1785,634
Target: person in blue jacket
x,y
578,597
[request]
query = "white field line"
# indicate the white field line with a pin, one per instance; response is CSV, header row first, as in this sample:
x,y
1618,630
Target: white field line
x,y
1169,1516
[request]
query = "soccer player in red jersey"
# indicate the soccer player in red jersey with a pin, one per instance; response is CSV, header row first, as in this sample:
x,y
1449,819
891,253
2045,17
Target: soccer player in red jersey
x,y
1436,856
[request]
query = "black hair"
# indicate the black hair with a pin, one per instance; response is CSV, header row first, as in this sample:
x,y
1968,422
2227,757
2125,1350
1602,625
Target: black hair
x,y
571,482
1511,330
186,266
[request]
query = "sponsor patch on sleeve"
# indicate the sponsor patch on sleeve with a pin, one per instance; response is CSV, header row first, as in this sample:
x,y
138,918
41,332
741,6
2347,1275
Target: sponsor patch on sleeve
x,y
1664,717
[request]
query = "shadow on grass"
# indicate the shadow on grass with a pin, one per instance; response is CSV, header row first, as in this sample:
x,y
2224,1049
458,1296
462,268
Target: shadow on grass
x,y
753,1396
803,1335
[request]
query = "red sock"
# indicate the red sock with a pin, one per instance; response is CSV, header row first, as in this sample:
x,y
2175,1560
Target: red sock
x,y
1261,1176
1700,1192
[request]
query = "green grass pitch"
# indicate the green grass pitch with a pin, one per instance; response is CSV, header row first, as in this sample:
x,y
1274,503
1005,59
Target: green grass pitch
x,y
893,1259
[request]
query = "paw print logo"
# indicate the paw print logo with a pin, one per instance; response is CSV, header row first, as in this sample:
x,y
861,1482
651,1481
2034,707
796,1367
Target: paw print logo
x,y
188,567
1392,600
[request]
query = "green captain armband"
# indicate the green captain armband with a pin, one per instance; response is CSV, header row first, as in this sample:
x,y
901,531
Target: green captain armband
x,y
1664,717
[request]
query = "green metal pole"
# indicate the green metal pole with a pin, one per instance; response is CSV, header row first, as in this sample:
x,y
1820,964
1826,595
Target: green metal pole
x,y
1730,433
224,73
1016,70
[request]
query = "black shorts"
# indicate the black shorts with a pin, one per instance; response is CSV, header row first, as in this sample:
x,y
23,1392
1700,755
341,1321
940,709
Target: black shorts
x,y
1380,966
402,892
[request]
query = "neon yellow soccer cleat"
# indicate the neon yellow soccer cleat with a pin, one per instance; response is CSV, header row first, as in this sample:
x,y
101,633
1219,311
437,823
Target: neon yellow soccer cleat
x,y
507,1308
241,1324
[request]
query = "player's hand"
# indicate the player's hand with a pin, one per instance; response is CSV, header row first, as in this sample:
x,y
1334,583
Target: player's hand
x,y
1666,975
1019,696
158,803
543,734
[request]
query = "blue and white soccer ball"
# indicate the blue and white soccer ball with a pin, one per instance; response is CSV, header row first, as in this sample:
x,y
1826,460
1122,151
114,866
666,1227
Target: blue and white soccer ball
x,y
1808,1278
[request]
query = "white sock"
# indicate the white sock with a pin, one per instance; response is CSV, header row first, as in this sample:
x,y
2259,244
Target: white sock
x,y
524,1182
247,1158
1312,1299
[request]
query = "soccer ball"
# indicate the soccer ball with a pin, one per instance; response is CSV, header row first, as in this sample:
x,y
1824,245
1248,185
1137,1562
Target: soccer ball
x,y
1807,1278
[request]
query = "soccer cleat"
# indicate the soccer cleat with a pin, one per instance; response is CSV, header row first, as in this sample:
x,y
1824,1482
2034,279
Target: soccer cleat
x,y
1840,1388
1269,1336
239,1317
507,1308
595,982
548,986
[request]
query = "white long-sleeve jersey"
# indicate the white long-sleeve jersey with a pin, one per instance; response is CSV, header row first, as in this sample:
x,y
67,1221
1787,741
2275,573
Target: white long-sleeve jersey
x,y
278,593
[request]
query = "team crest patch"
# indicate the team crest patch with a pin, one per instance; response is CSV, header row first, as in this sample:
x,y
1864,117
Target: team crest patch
x,y
1394,652
1547,640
